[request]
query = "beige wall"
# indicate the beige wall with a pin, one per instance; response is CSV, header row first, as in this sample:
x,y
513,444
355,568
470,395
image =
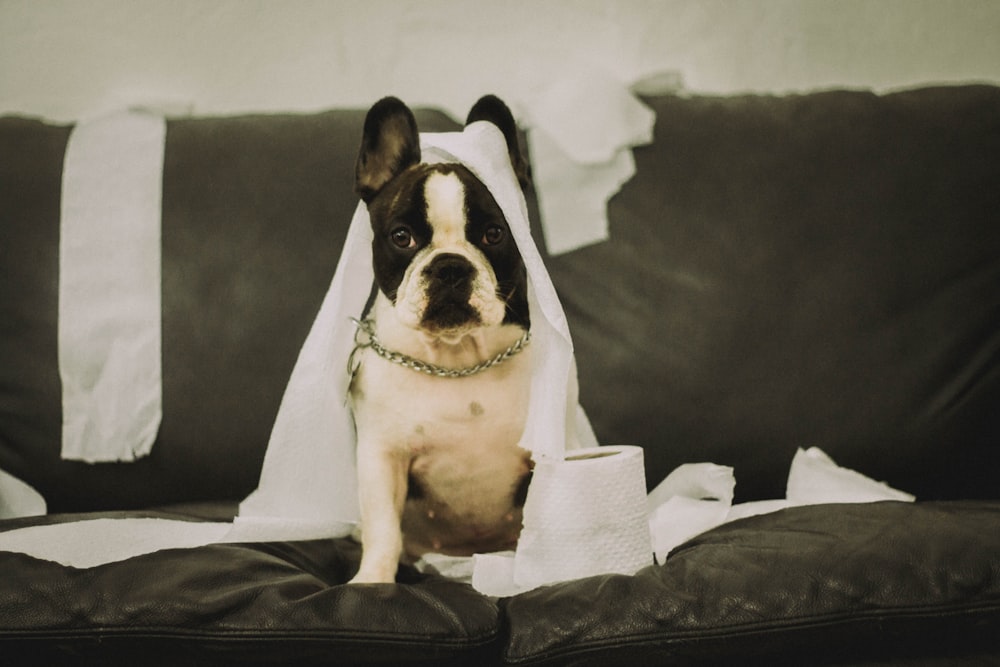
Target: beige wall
x,y
65,59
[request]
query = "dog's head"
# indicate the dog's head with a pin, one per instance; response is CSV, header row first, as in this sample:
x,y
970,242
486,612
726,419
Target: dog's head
x,y
442,252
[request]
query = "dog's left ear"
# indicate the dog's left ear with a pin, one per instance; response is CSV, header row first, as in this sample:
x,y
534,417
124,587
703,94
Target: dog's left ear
x,y
389,144
491,108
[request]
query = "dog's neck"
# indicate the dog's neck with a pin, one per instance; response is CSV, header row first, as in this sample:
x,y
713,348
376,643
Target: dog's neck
x,y
448,350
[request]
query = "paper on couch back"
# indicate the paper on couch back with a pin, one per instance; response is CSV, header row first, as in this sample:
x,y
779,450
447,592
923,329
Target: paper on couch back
x,y
109,287
582,130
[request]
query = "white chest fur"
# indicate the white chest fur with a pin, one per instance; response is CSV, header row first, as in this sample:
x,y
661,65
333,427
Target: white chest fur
x,y
455,439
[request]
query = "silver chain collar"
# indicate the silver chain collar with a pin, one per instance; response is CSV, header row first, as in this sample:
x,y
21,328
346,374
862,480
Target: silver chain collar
x,y
365,337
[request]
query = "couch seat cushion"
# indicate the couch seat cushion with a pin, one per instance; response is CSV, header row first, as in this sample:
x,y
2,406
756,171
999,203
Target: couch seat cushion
x,y
826,584
237,604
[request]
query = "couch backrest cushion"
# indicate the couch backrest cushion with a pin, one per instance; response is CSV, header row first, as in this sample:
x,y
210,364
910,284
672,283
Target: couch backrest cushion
x,y
255,210
821,269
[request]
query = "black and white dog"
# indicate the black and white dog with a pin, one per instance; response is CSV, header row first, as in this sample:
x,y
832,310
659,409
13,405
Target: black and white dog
x,y
440,394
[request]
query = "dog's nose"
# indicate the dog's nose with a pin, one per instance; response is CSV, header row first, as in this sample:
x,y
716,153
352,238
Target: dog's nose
x,y
449,269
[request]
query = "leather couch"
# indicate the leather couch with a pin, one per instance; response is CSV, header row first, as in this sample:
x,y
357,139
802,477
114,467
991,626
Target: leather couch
x,y
782,271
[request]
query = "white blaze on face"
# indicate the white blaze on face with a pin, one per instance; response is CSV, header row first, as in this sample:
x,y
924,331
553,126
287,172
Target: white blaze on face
x,y
445,197
446,215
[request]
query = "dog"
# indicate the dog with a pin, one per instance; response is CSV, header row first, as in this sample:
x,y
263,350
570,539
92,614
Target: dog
x,y
442,364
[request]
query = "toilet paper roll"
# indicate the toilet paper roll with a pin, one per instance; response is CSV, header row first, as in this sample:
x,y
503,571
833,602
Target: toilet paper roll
x,y
584,515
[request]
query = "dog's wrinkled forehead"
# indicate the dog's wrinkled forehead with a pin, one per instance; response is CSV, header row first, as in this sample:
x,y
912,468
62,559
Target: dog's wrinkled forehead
x,y
436,197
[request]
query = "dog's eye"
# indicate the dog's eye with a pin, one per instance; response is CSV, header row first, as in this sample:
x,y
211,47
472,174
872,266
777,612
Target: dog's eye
x,y
493,235
402,238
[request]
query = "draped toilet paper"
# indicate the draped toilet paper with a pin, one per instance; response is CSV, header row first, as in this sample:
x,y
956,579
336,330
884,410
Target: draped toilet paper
x,y
309,468
582,129
690,500
814,478
109,287
18,499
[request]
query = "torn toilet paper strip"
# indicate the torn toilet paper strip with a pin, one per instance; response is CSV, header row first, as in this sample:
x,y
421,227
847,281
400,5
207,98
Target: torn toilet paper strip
x,y
591,115
690,500
814,478
109,287
573,197
19,499
581,131
696,498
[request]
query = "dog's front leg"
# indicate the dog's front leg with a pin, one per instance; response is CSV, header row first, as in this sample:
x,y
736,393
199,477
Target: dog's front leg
x,y
382,478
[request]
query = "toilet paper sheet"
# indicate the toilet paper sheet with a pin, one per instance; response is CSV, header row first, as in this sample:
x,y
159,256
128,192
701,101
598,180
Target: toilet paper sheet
x,y
814,478
19,499
109,287
582,128
690,500
696,498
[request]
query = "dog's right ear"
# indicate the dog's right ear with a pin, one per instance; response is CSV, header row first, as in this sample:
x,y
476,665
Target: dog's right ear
x,y
389,144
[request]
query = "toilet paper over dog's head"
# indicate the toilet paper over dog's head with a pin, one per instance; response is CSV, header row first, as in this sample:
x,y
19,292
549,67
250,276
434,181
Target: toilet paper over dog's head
x,y
309,469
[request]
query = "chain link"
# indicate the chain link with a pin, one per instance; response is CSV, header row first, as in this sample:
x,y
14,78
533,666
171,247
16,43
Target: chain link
x,y
367,327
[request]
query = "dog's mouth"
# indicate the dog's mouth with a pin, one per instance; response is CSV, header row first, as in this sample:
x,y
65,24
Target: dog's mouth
x,y
450,316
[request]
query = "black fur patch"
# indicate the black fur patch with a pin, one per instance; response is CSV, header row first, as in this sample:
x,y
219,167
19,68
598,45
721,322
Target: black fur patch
x,y
414,490
521,490
389,144
400,203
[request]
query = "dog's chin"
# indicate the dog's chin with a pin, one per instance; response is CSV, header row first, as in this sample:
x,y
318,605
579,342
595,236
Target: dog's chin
x,y
450,316
450,323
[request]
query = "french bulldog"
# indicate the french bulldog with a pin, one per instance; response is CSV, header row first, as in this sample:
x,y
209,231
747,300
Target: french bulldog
x,y
442,363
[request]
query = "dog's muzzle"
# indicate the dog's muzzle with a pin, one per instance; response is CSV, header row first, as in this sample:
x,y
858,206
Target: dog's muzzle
x,y
449,280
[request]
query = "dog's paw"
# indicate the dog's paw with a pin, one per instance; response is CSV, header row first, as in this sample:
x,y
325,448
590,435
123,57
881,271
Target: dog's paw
x,y
374,576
